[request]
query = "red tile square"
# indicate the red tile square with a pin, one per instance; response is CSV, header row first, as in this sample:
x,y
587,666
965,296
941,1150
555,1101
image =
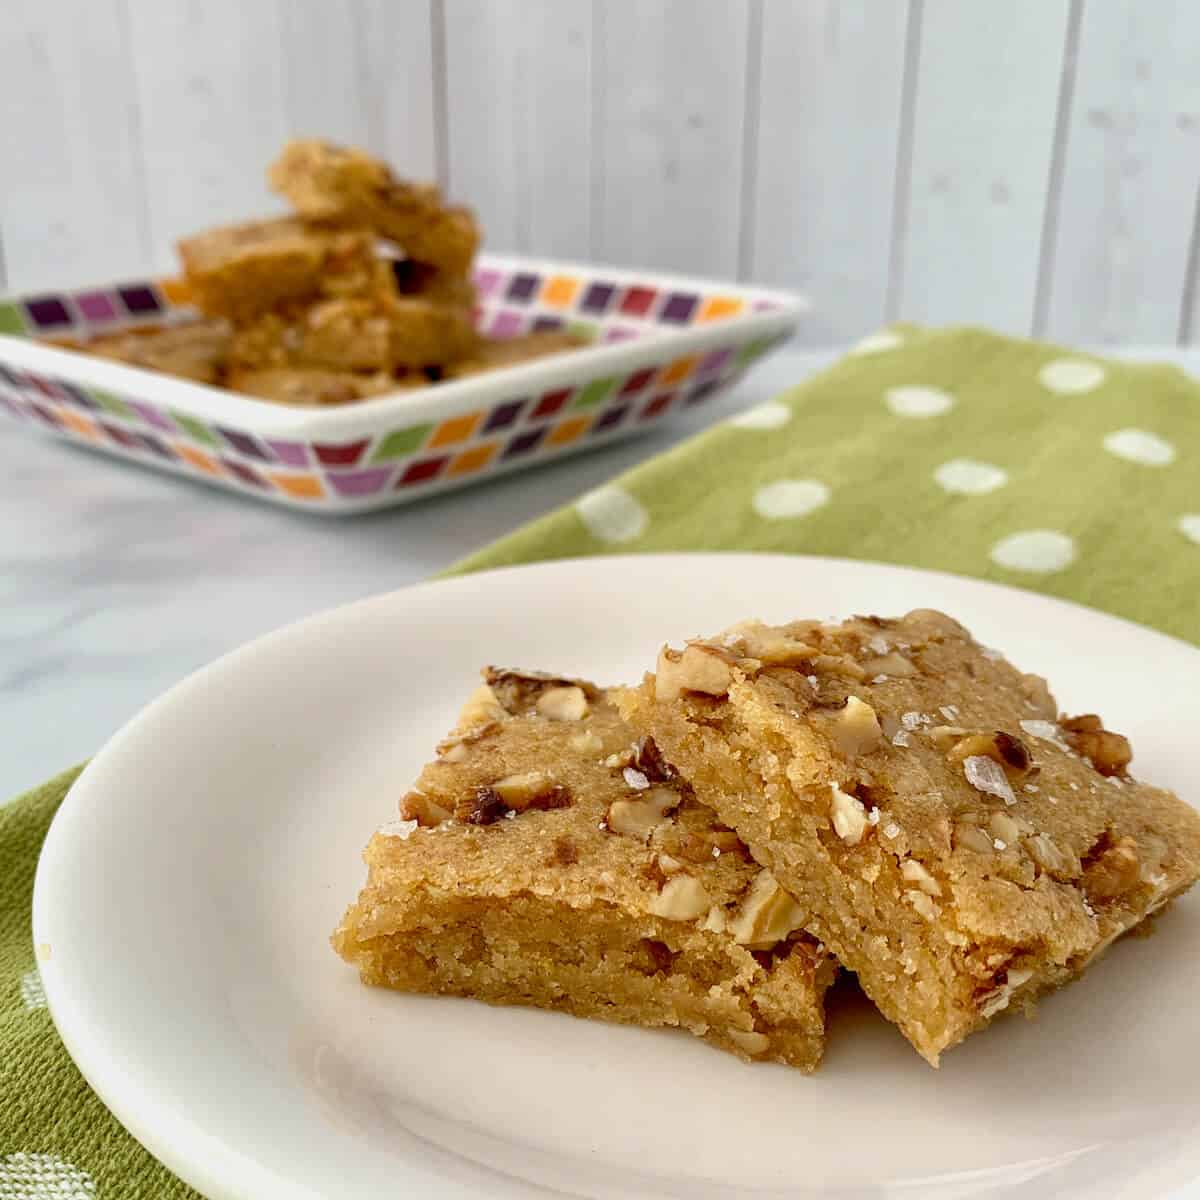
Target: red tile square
x,y
637,301
550,403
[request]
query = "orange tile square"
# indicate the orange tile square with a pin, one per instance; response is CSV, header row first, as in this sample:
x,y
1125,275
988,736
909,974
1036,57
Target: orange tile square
x,y
677,371
559,290
197,458
565,432
716,307
299,487
78,424
176,290
457,429
474,459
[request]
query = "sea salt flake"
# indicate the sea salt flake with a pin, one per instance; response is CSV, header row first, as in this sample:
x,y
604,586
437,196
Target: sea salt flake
x,y
812,680
873,817
716,852
911,720
986,775
949,711
999,844
636,779
1031,788
1073,785
398,829
891,829
879,644
990,654
902,738
1047,731
879,679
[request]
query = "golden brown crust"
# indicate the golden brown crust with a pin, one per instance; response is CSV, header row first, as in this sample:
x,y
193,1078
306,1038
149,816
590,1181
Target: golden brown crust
x,y
582,884
920,796
307,387
195,350
490,354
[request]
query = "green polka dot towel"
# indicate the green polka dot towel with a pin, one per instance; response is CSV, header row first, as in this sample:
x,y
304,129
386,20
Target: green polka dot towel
x,y
954,449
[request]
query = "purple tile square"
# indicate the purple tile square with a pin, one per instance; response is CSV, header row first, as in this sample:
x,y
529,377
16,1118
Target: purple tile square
x,y
524,442
506,323
765,305
155,446
244,473
679,307
152,416
13,379
715,361
522,286
597,298
40,410
96,306
545,322
503,415
244,444
139,300
292,454
123,437
610,419
487,281
46,312
359,483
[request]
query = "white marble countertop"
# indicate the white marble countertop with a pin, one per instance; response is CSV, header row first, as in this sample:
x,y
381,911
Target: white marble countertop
x,y
118,581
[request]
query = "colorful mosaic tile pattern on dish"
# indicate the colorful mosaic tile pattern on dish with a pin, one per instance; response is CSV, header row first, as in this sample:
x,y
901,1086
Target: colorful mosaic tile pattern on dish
x,y
399,459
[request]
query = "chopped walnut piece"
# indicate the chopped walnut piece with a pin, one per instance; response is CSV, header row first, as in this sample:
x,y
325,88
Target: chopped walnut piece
x,y
586,742
648,759
639,817
518,690
848,814
1047,854
416,806
666,863
698,667
1114,872
767,915
892,664
923,904
683,898
971,837
1110,753
563,704
1010,752
946,736
856,729
530,789
998,999
749,1041
914,872
1002,826
770,646
483,707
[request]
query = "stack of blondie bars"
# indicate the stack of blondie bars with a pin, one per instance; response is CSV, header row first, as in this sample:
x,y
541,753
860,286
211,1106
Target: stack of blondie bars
x,y
365,289
705,849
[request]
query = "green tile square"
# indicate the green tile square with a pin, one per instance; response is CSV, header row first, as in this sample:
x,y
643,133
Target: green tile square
x,y
584,329
400,442
10,319
112,404
197,431
595,393
751,350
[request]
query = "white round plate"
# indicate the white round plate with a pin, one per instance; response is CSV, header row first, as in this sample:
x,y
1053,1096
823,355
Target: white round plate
x,y
192,877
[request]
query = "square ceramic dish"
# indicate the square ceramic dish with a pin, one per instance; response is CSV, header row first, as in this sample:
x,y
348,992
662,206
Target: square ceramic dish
x,y
660,343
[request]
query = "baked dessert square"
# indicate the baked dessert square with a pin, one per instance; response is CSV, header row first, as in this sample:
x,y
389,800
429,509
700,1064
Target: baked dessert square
x,y
312,387
195,350
335,183
948,835
241,270
545,858
492,353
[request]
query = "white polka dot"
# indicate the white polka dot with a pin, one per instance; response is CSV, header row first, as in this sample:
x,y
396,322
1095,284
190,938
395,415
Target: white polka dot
x,y
790,498
612,514
1039,550
32,995
1071,376
876,342
968,477
1140,446
1189,526
763,416
43,1177
918,401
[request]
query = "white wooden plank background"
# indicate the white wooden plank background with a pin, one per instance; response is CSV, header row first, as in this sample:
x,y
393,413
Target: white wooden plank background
x,y
1033,165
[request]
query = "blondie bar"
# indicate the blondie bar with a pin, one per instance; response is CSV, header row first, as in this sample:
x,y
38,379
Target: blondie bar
x,y
492,353
328,182
238,271
546,859
310,387
950,837
196,350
